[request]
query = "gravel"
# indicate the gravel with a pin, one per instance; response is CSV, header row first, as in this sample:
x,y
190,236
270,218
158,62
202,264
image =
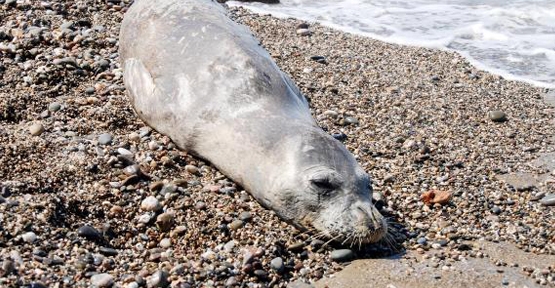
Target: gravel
x,y
416,119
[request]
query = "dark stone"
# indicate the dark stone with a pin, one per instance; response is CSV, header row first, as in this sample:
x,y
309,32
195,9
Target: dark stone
x,y
108,251
89,233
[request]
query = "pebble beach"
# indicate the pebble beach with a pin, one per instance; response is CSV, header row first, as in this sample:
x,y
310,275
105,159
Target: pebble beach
x,y
91,196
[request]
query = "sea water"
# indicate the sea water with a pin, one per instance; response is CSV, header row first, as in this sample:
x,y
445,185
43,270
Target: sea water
x,y
512,38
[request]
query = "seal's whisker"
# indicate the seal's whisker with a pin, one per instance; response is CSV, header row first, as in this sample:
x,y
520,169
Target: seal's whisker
x,y
347,239
331,240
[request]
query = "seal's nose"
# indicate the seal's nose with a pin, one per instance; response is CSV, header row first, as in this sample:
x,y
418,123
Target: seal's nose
x,y
366,214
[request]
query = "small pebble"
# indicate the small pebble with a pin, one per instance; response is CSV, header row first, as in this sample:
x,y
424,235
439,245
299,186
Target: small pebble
x,y
54,107
102,280
192,169
135,137
165,243
150,203
36,129
548,200
277,264
303,32
89,233
108,251
496,210
158,279
236,224
245,216
342,255
497,116
29,237
105,139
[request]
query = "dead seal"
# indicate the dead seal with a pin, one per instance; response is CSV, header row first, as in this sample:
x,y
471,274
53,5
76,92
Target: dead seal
x,y
203,80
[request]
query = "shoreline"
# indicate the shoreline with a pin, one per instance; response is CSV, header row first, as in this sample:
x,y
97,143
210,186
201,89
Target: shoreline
x,y
432,45
74,205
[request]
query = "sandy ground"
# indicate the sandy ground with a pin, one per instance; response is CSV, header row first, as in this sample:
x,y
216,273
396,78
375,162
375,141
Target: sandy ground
x,y
89,195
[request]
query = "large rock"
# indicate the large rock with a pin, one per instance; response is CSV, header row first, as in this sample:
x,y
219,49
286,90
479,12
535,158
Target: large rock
x,y
415,271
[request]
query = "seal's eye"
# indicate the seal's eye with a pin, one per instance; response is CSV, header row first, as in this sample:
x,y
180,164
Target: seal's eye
x,y
323,184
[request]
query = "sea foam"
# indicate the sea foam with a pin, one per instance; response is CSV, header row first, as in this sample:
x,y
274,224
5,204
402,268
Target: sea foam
x,y
512,38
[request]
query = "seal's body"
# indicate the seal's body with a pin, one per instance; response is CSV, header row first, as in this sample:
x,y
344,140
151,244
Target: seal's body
x,y
203,80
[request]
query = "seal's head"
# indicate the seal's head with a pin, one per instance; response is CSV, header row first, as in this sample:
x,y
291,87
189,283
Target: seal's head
x,y
324,188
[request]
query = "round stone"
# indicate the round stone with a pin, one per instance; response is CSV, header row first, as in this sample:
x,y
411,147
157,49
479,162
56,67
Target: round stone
x,y
260,273
102,280
277,264
29,237
351,120
497,116
548,200
245,216
200,205
36,129
165,221
496,210
422,241
165,243
303,32
89,232
228,247
134,136
192,169
158,279
54,106
236,225
125,152
131,170
150,203
105,139
342,255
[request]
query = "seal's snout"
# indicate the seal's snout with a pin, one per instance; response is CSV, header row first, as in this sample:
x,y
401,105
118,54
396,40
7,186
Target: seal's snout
x,y
369,223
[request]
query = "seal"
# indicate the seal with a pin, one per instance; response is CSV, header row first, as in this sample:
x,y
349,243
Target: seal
x,y
203,80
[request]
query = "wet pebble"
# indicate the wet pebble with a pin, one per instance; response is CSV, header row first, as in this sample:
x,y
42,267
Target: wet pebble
x,y
342,255
89,233
496,210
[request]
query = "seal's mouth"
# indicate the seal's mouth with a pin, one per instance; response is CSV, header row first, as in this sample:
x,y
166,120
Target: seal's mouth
x,y
366,226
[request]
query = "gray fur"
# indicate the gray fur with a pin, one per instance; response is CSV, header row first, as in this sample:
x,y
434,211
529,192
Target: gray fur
x,y
203,80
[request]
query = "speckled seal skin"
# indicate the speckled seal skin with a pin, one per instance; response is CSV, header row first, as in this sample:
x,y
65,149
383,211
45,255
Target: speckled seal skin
x,y
204,81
